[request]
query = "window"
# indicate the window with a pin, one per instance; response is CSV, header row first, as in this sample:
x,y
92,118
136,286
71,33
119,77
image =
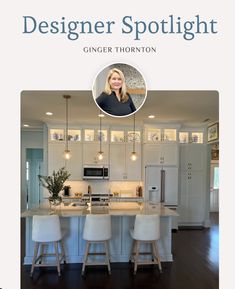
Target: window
x,y
216,178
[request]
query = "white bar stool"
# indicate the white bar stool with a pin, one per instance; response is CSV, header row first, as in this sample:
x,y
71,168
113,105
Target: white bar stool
x,y
97,229
146,230
46,229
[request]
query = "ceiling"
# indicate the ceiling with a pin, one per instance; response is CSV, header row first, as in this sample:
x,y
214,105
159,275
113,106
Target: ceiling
x,y
188,108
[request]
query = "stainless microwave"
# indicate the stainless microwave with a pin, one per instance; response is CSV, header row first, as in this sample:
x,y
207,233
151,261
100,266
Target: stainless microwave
x,y
95,172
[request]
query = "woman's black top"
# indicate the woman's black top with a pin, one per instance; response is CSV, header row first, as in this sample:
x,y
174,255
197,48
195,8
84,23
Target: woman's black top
x,y
111,104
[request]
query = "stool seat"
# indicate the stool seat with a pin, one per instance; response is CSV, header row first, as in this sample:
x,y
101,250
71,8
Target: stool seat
x,y
45,230
146,230
97,229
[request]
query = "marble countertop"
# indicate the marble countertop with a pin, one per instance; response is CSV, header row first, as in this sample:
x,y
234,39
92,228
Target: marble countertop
x,y
114,209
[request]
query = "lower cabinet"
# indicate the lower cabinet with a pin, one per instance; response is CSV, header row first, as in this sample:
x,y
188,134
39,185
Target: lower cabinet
x,y
192,199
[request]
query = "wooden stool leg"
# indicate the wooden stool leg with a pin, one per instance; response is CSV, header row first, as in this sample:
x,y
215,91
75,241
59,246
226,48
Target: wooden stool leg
x,y
154,257
85,257
107,256
41,252
63,251
57,257
36,246
136,257
133,249
155,248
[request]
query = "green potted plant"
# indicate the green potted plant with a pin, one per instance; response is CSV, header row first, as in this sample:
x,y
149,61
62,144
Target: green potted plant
x,y
55,184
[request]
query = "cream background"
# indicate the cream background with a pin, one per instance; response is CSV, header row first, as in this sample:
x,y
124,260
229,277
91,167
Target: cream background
x,y
33,63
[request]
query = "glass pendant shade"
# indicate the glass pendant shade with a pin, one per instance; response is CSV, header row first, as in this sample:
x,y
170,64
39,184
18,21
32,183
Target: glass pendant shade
x,y
134,156
100,155
67,154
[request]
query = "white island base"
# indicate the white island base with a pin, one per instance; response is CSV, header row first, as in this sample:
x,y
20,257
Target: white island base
x,y
72,223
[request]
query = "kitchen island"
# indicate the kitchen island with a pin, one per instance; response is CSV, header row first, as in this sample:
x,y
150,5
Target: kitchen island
x,y
123,216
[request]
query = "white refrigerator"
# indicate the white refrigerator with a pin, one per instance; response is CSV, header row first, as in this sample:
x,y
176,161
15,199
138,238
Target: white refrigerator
x,y
161,184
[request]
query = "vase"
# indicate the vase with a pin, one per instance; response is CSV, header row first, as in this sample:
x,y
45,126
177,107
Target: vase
x,y
55,204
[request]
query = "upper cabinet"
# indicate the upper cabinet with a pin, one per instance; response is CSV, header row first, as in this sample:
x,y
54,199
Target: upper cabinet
x,y
56,159
121,147
161,154
90,153
125,136
121,166
95,135
160,145
157,134
196,137
58,134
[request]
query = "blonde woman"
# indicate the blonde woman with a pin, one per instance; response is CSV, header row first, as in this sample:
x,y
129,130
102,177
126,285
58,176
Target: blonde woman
x,y
115,100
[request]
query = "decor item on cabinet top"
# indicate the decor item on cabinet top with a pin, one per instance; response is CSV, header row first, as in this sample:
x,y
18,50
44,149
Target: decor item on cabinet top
x,y
66,190
67,152
133,154
54,184
139,191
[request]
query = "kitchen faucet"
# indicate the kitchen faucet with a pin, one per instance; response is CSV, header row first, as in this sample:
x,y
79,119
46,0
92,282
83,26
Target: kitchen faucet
x,y
89,193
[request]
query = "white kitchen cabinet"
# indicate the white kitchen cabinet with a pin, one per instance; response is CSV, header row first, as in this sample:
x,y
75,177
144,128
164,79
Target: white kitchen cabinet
x,y
192,156
55,156
74,165
90,151
121,166
191,137
56,159
160,134
193,186
58,134
133,168
161,154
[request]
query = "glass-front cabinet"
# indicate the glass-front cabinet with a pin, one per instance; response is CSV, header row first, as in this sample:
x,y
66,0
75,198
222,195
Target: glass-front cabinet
x,y
117,136
91,135
58,134
155,134
191,137
125,135
74,135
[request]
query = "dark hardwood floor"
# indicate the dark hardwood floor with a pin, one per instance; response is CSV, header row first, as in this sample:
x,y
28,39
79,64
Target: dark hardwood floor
x,y
195,266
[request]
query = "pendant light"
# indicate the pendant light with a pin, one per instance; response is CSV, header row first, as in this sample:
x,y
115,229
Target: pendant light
x,y
67,153
100,154
134,154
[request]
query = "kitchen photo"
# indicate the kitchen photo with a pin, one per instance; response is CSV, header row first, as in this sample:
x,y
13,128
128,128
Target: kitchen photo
x,y
120,202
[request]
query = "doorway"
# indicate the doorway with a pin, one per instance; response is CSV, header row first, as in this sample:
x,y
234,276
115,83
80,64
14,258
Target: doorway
x,y
34,165
214,179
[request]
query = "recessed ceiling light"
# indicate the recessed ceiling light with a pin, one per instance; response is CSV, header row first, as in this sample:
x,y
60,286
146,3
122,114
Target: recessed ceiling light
x,y
151,116
49,113
25,125
101,115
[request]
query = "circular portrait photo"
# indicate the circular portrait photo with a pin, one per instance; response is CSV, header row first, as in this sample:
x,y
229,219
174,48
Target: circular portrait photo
x,y
119,90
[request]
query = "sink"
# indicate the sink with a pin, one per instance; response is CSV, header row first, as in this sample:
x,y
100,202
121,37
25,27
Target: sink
x,y
75,206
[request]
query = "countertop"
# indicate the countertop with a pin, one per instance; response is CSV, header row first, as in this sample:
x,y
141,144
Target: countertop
x,y
114,209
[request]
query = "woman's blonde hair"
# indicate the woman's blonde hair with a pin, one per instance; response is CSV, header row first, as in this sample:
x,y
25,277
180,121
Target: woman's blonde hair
x,y
123,90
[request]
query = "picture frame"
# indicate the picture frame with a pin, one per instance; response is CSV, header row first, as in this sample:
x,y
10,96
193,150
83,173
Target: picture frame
x,y
213,132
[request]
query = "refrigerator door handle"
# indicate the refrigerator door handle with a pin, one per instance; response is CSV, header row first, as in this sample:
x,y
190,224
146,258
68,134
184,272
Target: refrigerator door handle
x,y
163,178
